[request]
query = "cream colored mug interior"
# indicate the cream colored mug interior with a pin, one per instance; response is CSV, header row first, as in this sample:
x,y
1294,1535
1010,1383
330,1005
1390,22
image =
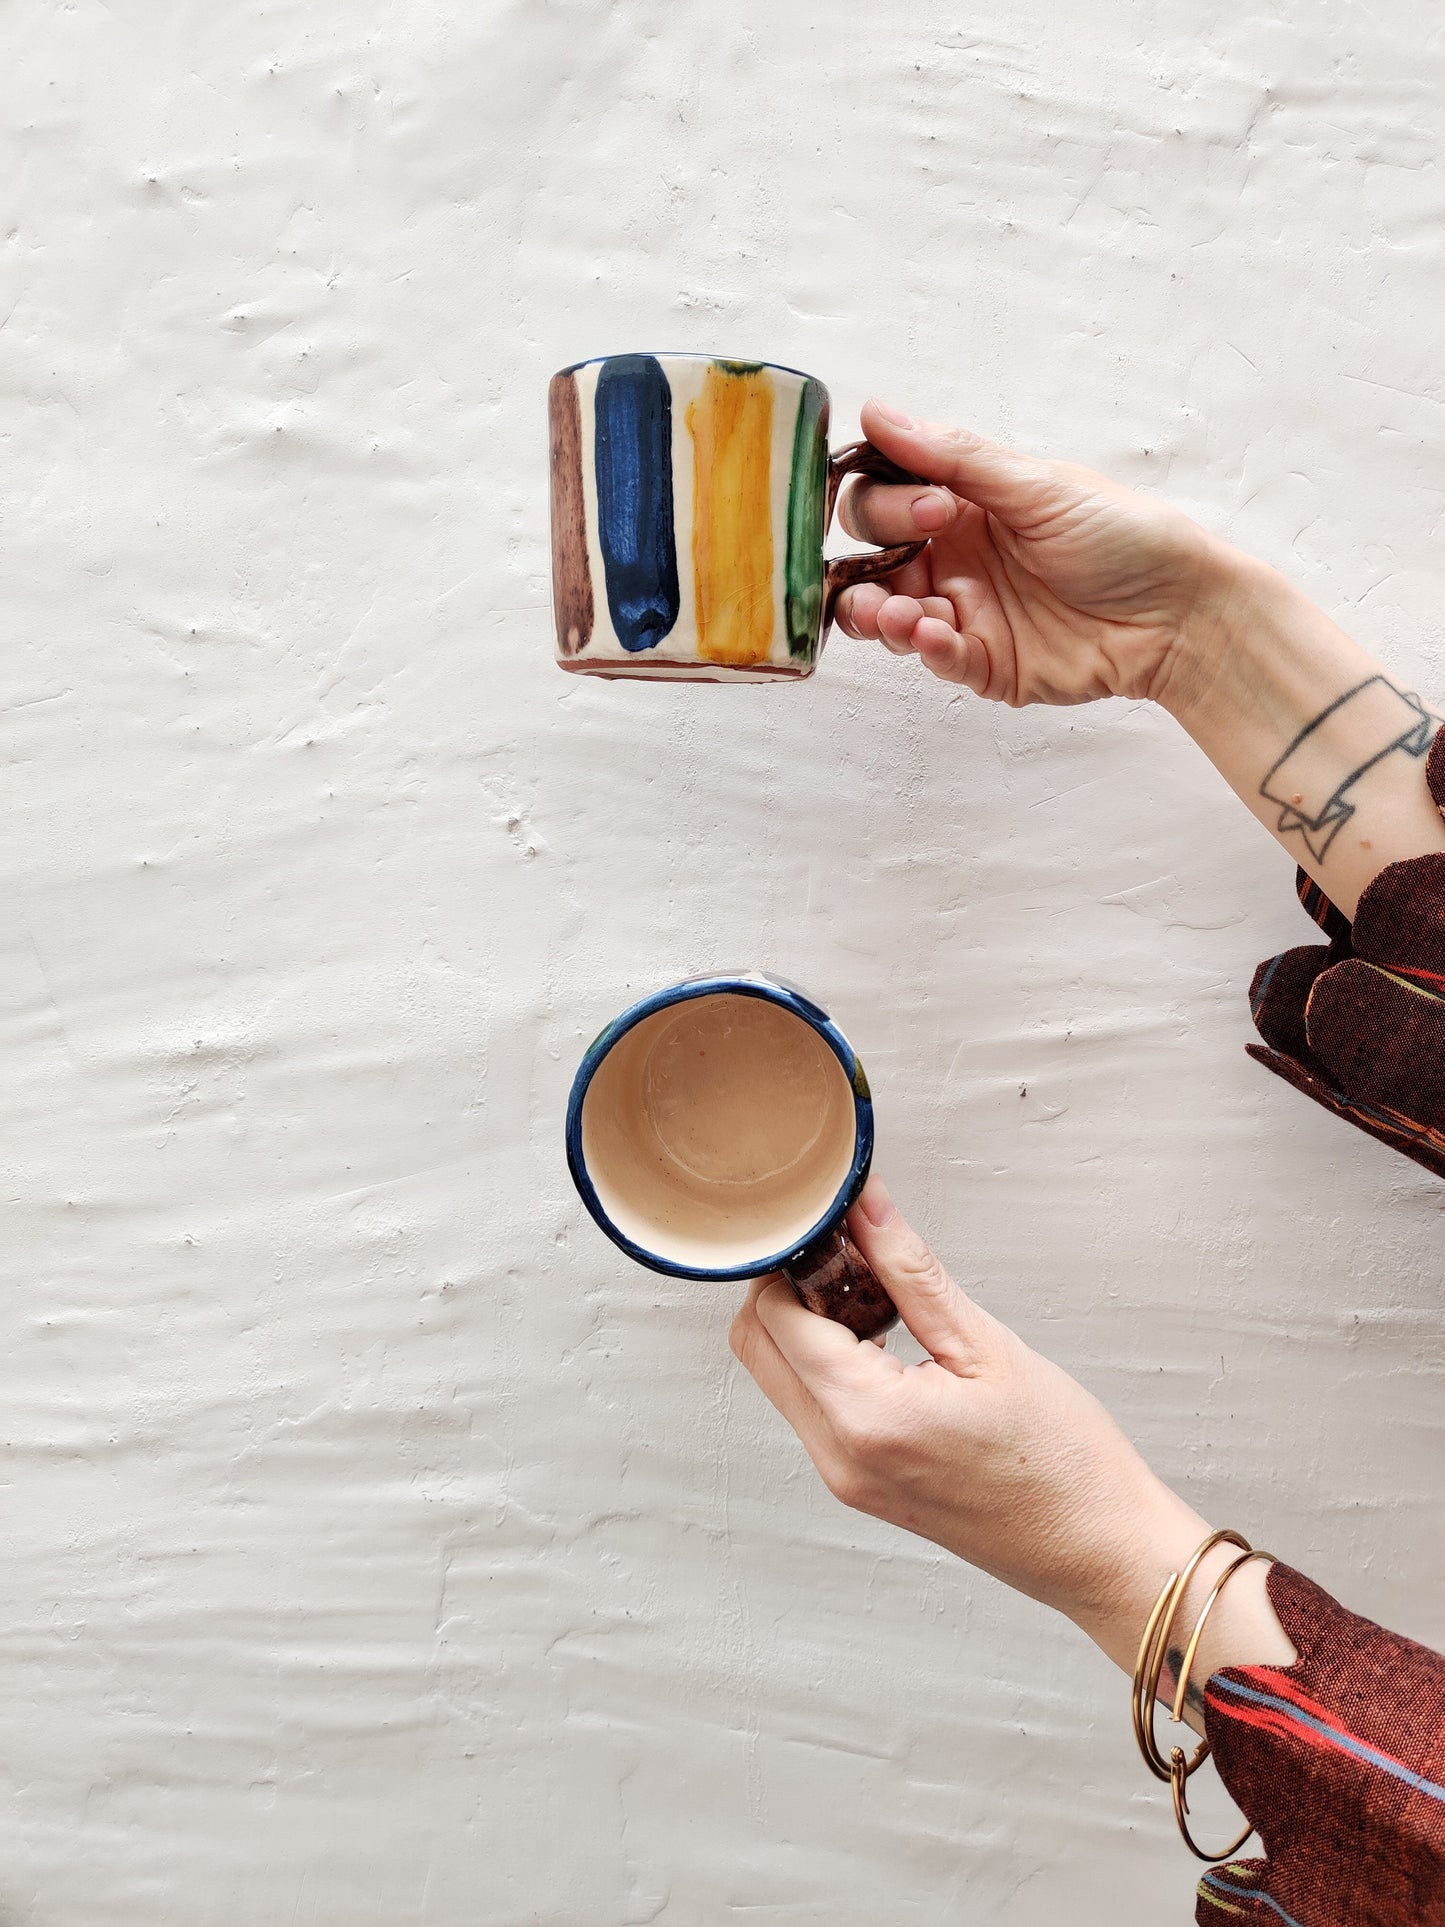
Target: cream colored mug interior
x,y
718,1130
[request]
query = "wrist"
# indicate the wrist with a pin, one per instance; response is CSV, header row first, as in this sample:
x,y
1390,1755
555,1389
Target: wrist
x,y
1156,1535
1242,1628
1241,608
1260,674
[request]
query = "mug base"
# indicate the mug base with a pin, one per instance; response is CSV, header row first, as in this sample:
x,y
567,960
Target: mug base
x,y
616,671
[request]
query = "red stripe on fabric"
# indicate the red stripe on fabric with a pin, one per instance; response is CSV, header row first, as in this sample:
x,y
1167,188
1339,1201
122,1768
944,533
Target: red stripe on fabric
x,y
1266,1678
1410,970
1286,1689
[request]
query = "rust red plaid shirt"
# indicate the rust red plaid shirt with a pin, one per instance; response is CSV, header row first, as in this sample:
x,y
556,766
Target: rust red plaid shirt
x,y
1359,1024
1339,1760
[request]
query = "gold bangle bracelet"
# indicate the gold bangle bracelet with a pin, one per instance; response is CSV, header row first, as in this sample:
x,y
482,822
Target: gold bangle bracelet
x,y
1154,1647
1187,1666
1177,1783
1180,1769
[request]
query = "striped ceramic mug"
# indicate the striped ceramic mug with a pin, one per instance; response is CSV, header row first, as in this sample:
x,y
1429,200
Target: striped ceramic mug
x,y
691,498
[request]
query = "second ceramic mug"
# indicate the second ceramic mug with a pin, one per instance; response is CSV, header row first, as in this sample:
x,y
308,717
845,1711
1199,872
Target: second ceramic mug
x,y
721,1128
691,498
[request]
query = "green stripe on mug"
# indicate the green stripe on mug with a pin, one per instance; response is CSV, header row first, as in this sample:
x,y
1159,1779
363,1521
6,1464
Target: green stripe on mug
x,y
807,521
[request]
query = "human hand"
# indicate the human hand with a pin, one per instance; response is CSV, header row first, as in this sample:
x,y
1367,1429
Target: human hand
x,y
1042,581
985,1448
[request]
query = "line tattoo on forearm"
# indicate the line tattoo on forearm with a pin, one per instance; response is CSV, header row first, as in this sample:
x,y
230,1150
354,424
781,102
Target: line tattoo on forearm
x,y
1170,1682
1305,784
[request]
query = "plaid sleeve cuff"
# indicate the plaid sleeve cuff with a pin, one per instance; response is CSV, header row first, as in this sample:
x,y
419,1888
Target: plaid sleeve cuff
x,y
1339,1760
1359,1024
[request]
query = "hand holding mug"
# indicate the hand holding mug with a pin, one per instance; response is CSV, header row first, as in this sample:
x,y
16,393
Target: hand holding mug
x,y
1042,582
986,1448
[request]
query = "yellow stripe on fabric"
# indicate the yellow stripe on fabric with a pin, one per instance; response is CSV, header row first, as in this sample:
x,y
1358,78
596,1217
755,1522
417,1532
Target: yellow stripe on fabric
x,y
732,537
1403,982
1214,1900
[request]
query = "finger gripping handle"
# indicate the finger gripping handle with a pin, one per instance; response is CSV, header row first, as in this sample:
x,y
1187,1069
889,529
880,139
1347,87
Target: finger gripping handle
x,y
844,571
834,1279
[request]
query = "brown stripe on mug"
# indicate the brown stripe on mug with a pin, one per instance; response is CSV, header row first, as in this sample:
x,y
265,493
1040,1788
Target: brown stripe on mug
x,y
571,577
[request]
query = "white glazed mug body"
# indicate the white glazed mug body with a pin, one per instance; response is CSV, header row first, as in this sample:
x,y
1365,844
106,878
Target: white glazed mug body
x,y
691,498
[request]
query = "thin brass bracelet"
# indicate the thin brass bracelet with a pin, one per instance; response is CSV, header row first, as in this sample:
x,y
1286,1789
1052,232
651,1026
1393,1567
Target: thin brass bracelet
x,y
1154,1647
1187,1665
1180,1769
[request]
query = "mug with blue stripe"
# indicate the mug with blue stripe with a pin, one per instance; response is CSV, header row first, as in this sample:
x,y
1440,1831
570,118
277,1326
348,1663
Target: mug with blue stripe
x,y
691,499
720,1128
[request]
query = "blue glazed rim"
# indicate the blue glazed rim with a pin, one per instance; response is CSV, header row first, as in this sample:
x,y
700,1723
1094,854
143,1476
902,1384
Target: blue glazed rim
x,y
773,991
694,354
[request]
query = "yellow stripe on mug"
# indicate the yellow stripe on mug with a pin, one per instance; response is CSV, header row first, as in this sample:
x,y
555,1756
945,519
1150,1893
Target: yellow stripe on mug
x,y
732,542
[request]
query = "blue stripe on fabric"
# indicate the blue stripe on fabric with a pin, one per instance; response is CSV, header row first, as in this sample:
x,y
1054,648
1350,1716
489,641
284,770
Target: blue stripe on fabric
x,y
1216,1885
1345,1741
1396,1126
633,462
1259,995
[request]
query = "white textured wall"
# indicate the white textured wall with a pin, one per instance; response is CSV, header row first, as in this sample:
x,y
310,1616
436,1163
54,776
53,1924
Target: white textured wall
x,y
379,1546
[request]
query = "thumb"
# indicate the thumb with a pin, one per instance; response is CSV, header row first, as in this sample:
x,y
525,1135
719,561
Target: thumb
x,y
946,1323
1016,488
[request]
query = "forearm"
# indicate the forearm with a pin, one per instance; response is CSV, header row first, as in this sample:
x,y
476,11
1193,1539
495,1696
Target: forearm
x,y
1316,737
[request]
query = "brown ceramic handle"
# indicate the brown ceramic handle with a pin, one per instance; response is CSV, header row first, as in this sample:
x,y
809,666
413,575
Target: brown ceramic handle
x,y
862,458
833,1278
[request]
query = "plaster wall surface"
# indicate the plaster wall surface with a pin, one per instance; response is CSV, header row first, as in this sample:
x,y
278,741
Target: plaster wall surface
x,y
380,1546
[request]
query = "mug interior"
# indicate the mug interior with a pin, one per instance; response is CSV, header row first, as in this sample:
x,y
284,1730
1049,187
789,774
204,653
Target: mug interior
x,y
719,1131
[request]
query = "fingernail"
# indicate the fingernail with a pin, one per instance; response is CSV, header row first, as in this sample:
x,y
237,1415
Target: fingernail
x,y
875,1204
930,511
893,415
